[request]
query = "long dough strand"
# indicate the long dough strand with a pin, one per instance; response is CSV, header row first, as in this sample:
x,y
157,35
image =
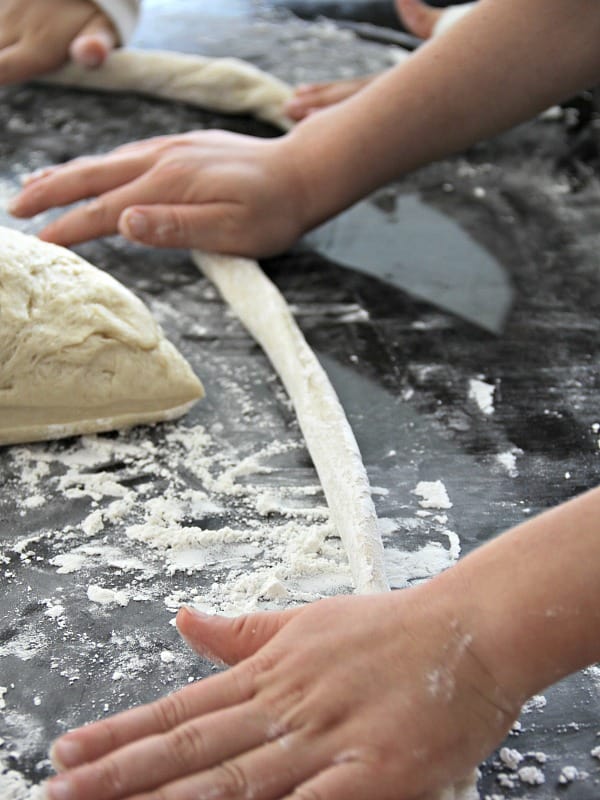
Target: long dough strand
x,y
262,309
229,85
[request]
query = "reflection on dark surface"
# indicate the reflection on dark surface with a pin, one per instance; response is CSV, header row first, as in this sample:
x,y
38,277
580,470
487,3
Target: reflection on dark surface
x,y
402,240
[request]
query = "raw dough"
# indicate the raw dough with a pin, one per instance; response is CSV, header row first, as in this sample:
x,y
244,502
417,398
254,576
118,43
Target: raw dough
x,y
260,306
79,353
218,84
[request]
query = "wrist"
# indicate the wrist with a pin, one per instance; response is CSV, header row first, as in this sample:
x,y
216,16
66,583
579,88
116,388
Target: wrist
x,y
531,597
329,175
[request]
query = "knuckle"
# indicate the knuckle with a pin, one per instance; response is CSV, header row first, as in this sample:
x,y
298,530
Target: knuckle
x,y
306,793
96,211
231,781
185,745
110,777
168,712
173,164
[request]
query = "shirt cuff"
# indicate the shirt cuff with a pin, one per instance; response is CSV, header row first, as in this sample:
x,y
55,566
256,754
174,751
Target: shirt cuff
x,y
123,14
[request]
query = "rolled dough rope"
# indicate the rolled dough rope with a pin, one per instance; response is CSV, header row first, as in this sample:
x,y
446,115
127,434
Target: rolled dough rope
x,y
262,309
218,84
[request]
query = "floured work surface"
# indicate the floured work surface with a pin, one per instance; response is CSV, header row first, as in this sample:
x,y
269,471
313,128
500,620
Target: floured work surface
x,y
463,435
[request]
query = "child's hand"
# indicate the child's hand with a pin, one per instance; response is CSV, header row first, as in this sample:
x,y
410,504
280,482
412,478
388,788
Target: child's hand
x,y
37,36
210,190
345,699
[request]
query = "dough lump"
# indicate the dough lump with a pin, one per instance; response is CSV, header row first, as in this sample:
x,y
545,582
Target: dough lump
x,y
79,353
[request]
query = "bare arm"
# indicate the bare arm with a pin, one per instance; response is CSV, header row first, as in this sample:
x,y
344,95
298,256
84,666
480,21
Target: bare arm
x,y
533,595
498,66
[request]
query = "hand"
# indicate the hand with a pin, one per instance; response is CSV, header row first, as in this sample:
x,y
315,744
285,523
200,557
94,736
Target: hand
x,y
212,190
37,36
326,702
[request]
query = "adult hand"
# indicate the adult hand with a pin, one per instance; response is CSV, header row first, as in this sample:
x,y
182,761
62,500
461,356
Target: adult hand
x,y
338,700
37,36
212,190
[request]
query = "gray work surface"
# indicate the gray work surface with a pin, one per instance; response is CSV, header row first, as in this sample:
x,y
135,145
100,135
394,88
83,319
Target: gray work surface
x,y
401,363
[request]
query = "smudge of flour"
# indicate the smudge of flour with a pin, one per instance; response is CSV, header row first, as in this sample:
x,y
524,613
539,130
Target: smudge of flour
x,y
482,394
433,494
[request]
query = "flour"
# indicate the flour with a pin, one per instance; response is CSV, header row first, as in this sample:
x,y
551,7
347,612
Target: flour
x,y
103,596
433,494
482,394
536,703
570,773
508,460
13,785
531,775
510,757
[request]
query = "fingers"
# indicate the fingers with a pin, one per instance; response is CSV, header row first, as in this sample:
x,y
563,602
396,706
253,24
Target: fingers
x,y
310,97
94,741
266,773
230,640
100,216
418,17
79,179
192,747
216,227
20,62
94,42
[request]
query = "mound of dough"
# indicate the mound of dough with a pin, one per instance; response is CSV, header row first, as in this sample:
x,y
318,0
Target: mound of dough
x,y
79,353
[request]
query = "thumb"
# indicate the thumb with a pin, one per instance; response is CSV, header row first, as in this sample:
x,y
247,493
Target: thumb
x,y
94,42
230,639
203,226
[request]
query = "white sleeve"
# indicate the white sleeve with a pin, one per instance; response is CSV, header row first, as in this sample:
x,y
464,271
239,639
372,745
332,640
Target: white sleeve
x,y
450,15
123,14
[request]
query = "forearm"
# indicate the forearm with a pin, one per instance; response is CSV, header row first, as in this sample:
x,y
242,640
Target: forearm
x,y
530,599
501,64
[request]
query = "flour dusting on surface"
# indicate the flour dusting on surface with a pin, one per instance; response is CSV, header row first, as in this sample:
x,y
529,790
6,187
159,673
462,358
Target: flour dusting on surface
x,y
433,494
482,394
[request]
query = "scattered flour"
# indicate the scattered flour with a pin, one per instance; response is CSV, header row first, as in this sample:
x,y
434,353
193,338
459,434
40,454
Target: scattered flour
x,y
434,494
510,758
13,785
482,394
531,775
508,460
103,596
536,703
570,773
167,657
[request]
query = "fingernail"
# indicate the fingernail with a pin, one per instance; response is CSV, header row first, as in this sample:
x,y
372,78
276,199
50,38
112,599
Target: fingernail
x,y
66,753
59,788
35,176
197,613
91,60
136,225
13,205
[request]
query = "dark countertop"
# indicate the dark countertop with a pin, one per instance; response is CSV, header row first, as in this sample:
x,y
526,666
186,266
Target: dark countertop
x,y
401,365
